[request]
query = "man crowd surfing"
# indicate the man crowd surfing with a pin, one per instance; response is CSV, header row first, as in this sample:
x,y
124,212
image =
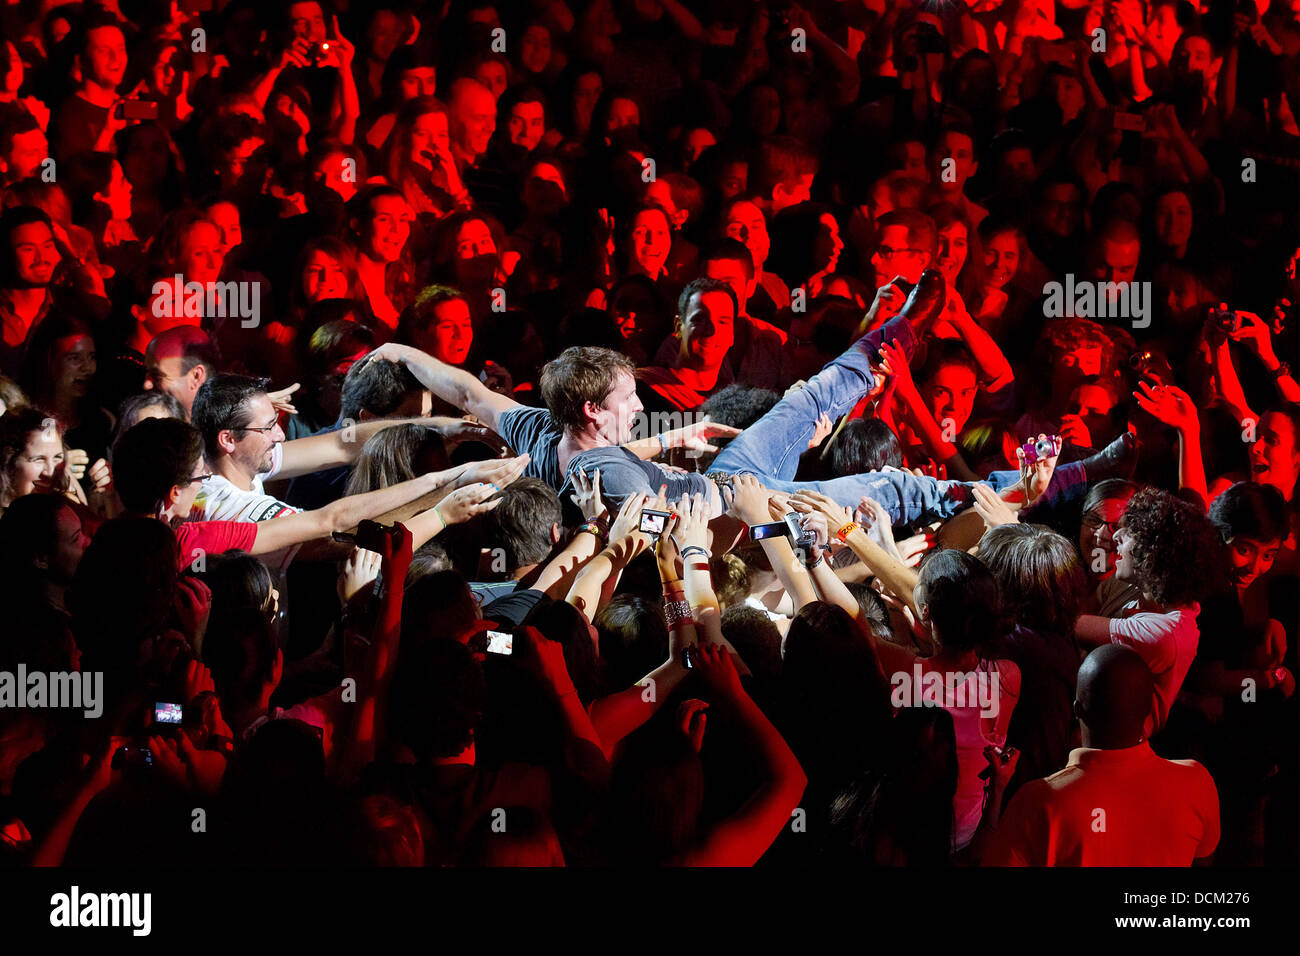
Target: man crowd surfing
x,y
604,432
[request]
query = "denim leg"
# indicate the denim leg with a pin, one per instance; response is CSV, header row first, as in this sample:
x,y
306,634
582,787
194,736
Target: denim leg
x,y
909,498
770,448
1069,483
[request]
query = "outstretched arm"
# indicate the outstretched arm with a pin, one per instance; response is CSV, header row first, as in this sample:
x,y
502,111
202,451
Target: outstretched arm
x,y
454,386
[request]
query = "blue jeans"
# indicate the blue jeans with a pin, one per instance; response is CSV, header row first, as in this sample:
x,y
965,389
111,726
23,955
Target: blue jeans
x,y
770,448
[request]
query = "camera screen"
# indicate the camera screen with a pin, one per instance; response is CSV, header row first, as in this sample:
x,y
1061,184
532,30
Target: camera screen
x,y
652,522
500,642
167,713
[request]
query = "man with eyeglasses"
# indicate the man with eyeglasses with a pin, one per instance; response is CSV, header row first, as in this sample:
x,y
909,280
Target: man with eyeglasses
x,y
905,249
244,446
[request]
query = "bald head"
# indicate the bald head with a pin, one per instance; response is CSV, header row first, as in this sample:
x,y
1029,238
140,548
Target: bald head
x,y
1113,697
473,112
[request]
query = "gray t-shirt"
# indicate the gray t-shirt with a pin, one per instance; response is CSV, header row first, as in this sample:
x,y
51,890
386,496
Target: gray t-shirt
x,y
622,473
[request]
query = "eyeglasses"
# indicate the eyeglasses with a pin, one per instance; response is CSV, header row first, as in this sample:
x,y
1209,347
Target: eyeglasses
x,y
199,478
888,252
257,428
1095,522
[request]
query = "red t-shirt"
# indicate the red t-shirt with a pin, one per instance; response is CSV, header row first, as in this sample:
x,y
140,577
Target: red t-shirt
x,y
196,538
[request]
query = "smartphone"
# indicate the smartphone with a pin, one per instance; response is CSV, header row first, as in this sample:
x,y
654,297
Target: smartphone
x,y
776,529
654,522
500,642
1130,122
135,110
165,712
131,756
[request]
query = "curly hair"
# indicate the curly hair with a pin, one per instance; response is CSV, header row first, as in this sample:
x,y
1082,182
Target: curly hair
x,y
1177,553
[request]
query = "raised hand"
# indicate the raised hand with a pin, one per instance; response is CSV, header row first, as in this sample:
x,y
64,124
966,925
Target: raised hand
x,y
499,472
359,570
1168,404
692,526
586,494
468,502
282,399
823,428
747,499
461,431
628,520
991,508
696,437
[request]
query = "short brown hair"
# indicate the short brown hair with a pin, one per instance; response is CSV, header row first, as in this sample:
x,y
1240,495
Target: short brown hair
x,y
579,375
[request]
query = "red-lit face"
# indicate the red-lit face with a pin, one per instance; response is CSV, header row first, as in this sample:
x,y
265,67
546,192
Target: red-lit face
x,y
1097,535
418,81
651,241
1250,559
35,254
390,227
747,224
323,278
897,255
202,253
950,395
1274,458
74,365
953,246
527,124
708,328
450,334
1002,259
430,136
38,466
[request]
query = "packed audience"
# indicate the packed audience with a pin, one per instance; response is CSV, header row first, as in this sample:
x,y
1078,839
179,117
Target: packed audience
x,y
598,432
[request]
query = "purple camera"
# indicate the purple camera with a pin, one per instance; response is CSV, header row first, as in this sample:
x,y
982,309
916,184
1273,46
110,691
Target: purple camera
x,y
1040,448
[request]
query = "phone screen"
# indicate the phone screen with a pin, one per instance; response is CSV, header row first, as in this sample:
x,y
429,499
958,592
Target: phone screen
x,y
500,642
774,530
653,522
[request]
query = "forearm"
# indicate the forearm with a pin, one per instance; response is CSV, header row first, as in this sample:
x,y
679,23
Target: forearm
x,y
992,363
347,513
793,577
1230,389
334,449
1191,465
897,578
832,590
562,571
1092,629
619,714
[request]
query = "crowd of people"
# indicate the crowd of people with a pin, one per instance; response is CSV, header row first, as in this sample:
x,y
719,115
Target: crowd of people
x,y
657,432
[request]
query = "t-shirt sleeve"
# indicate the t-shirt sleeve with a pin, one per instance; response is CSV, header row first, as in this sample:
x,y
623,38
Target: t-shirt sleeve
x,y
213,537
1151,635
522,427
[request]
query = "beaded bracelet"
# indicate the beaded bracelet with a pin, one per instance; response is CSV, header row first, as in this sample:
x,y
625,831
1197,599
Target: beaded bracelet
x,y
592,528
677,613
847,530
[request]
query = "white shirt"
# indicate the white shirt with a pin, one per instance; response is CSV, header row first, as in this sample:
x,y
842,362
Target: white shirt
x,y
220,500
1167,642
